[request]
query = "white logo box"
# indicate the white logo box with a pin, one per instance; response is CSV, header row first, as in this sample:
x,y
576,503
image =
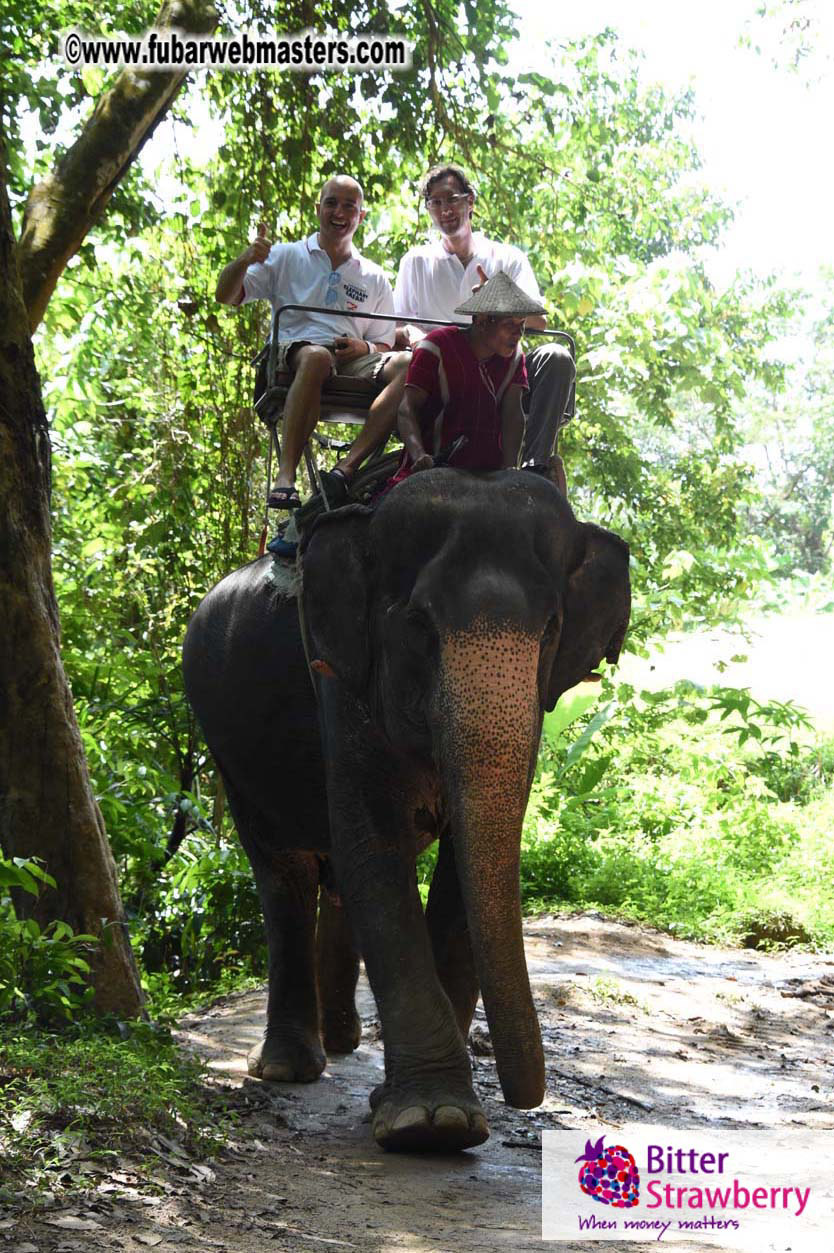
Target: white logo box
x,y
762,1191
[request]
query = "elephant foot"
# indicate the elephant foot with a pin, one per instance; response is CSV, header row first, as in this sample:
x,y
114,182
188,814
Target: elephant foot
x,y
440,1121
282,1059
341,1033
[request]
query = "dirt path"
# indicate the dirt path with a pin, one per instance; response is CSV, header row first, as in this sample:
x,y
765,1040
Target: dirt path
x,y
637,1026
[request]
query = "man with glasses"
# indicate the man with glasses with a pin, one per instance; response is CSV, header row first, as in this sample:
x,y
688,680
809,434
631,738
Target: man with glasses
x,y
325,270
434,278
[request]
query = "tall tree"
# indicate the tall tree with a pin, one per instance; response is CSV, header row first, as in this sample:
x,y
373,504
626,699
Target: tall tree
x,y
63,207
47,807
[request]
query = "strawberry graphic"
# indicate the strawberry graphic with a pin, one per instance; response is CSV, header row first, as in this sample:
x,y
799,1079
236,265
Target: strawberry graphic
x,y
609,1175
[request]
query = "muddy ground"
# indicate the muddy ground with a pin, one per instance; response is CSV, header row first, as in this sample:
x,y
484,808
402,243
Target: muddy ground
x,y
637,1027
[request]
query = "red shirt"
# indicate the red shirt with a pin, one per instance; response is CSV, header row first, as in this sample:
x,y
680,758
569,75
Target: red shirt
x,y
463,398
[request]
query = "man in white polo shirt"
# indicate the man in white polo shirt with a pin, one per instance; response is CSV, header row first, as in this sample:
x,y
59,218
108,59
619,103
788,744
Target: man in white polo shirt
x,y
324,269
434,278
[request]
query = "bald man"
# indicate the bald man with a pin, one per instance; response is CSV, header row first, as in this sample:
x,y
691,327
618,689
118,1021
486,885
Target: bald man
x,y
326,270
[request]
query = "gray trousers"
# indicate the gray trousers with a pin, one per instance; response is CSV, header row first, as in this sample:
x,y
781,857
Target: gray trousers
x,y
551,372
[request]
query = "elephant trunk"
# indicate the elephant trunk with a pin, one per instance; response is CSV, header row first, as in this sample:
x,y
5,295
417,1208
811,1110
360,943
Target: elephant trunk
x,y
490,723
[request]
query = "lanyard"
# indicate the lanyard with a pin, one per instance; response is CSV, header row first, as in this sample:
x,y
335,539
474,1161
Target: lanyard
x,y
490,386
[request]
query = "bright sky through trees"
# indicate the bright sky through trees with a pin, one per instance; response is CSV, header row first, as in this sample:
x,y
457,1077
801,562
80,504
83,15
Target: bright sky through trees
x,y
762,122
763,133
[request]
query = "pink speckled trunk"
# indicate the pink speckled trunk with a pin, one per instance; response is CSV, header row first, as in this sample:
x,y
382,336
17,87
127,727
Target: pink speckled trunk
x,y
490,723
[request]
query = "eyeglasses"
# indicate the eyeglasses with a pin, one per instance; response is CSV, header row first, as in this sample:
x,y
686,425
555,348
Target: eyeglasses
x,y
331,296
439,203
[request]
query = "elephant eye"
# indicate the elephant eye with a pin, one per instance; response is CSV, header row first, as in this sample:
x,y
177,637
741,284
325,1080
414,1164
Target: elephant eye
x,y
420,632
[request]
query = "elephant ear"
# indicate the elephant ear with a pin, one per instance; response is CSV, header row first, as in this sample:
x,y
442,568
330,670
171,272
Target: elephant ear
x,y
334,601
596,609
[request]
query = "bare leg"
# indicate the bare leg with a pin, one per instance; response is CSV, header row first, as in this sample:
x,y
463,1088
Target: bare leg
x,y
382,415
312,365
556,473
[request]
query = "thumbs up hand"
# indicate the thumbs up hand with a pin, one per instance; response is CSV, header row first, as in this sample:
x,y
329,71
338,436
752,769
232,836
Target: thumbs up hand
x,y
260,246
483,276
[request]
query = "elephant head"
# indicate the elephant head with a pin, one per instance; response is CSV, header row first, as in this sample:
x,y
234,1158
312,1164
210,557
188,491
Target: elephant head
x,y
455,613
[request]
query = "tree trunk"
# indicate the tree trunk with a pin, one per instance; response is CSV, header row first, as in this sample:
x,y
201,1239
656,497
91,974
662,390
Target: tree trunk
x,y
47,808
61,210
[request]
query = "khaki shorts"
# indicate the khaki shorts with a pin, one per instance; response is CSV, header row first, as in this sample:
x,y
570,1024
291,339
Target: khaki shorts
x,y
365,367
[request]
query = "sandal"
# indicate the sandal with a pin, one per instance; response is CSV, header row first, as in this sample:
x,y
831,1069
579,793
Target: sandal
x,y
283,498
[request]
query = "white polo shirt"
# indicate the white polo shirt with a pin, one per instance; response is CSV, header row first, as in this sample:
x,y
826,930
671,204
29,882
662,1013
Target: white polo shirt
x,y
301,273
431,282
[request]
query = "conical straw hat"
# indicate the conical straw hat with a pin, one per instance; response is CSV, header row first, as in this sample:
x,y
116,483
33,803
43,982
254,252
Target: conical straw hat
x,y
502,297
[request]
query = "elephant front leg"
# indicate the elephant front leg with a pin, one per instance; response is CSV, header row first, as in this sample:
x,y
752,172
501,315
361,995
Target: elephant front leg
x,y
426,1102
291,1050
338,971
449,932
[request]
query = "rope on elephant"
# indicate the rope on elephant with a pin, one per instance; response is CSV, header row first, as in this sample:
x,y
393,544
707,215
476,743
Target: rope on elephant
x,y
363,486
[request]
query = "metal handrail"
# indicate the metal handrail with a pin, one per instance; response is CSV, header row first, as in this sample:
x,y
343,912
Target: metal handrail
x,y
312,467
384,317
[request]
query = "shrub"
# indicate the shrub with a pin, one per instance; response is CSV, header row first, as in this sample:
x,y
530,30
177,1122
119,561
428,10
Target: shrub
x,y
94,1090
42,970
206,919
694,810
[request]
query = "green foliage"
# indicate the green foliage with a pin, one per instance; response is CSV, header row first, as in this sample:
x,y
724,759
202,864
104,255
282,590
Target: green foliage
x,y
158,457
770,929
426,862
95,1093
42,970
606,991
690,810
792,443
40,94
798,776
203,923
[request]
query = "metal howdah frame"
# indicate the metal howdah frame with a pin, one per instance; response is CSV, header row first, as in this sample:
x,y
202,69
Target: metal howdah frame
x,y
312,466
385,317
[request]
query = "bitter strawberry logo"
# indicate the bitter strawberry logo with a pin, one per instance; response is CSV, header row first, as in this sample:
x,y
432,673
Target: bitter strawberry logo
x,y
610,1175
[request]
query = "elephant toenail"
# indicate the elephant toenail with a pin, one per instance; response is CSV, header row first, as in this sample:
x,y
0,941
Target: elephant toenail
x,y
279,1072
450,1118
479,1124
414,1116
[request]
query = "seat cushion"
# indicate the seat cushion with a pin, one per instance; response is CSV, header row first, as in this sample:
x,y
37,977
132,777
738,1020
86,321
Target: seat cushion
x,y
338,385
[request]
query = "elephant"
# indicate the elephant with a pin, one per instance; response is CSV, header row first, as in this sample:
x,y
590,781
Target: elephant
x,y
387,693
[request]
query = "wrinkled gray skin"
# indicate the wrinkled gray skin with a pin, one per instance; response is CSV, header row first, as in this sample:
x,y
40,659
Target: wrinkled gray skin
x,y
438,629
